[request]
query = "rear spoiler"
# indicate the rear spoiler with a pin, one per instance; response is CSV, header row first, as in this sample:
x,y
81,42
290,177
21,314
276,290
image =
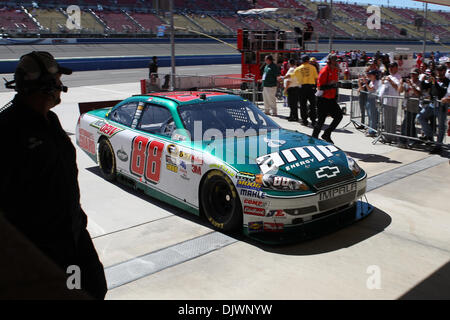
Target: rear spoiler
x,y
88,106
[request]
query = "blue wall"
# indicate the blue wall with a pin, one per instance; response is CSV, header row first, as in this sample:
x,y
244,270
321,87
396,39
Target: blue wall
x,y
88,64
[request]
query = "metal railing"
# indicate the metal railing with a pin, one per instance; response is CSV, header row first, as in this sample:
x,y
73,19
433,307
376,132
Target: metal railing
x,y
245,87
400,119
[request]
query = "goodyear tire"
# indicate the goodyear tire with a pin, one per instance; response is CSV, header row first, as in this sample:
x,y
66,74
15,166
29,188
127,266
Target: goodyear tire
x,y
107,160
220,202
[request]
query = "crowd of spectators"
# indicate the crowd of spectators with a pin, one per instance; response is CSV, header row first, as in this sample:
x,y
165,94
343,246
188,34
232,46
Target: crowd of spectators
x,y
423,96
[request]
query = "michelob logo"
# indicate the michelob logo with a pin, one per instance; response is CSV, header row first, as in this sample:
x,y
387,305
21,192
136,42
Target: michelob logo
x,y
275,160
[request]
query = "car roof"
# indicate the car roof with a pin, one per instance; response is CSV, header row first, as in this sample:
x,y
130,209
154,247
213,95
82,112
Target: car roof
x,y
190,97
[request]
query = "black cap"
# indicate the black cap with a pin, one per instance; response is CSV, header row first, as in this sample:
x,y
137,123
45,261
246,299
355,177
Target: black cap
x,y
305,58
32,65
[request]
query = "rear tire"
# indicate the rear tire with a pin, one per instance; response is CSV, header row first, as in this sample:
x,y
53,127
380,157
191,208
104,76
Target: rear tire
x,y
220,202
107,160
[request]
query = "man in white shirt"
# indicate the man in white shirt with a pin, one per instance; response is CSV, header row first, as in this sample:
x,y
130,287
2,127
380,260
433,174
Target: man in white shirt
x,y
389,87
292,91
447,63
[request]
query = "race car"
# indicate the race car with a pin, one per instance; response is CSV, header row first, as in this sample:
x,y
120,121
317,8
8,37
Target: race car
x,y
218,155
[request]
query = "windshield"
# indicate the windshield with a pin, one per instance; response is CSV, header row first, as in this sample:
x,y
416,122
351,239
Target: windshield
x,y
225,117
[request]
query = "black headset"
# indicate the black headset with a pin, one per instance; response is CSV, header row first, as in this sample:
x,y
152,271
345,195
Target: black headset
x,y
45,83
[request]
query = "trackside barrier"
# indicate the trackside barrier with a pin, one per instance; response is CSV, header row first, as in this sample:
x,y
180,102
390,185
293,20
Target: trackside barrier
x,y
245,87
395,118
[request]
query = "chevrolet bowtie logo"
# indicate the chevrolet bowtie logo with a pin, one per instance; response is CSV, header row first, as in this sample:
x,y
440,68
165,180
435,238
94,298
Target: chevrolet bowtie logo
x,y
328,172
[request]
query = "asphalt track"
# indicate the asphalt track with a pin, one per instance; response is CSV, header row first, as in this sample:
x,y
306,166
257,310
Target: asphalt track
x,y
163,49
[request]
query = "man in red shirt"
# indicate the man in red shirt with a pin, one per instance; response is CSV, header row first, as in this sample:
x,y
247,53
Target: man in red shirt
x,y
327,99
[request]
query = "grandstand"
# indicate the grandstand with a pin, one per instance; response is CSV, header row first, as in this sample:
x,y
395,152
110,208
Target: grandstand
x,y
126,17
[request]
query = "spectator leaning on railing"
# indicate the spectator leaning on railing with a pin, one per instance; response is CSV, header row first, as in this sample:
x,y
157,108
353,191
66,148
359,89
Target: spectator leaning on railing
x,y
373,85
390,104
412,89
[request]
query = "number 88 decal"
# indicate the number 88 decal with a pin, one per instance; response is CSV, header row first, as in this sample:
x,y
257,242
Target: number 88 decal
x,y
146,158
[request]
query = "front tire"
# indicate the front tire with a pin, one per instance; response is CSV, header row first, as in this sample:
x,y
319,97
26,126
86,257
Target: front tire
x,y
220,202
107,160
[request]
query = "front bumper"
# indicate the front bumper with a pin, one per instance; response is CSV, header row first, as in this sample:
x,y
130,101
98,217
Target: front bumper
x,y
325,223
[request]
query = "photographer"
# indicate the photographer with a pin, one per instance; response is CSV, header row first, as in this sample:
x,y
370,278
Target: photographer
x,y
437,88
412,89
389,87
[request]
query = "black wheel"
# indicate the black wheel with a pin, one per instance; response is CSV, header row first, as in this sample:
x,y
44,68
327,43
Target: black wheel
x,y
107,160
220,202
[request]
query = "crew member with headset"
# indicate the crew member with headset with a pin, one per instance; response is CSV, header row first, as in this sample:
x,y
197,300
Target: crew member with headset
x,y
327,98
39,167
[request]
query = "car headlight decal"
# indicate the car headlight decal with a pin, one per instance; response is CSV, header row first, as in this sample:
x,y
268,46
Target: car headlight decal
x,y
353,166
280,183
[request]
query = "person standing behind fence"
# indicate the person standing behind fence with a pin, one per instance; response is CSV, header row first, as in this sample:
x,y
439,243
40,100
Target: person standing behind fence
x,y
306,76
390,104
412,89
362,89
327,98
438,89
291,90
373,87
269,82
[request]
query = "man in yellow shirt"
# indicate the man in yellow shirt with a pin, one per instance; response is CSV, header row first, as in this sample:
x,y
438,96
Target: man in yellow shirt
x,y
306,76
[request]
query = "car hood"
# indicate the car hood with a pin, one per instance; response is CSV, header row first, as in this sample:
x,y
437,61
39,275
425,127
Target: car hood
x,y
283,152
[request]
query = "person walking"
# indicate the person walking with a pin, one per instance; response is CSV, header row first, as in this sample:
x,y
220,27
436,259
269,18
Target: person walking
x,y
40,168
269,82
327,99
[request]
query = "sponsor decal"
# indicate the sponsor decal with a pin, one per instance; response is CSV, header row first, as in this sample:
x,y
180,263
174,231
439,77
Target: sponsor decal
x,y
105,129
255,226
197,169
223,168
276,214
245,176
254,211
86,141
273,227
172,149
215,223
171,164
184,155
336,192
256,203
295,157
253,194
273,143
122,155
248,185
183,170
327,172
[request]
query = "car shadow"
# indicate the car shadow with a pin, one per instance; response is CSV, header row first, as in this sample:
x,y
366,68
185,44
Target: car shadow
x,y
343,237
370,157
155,201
